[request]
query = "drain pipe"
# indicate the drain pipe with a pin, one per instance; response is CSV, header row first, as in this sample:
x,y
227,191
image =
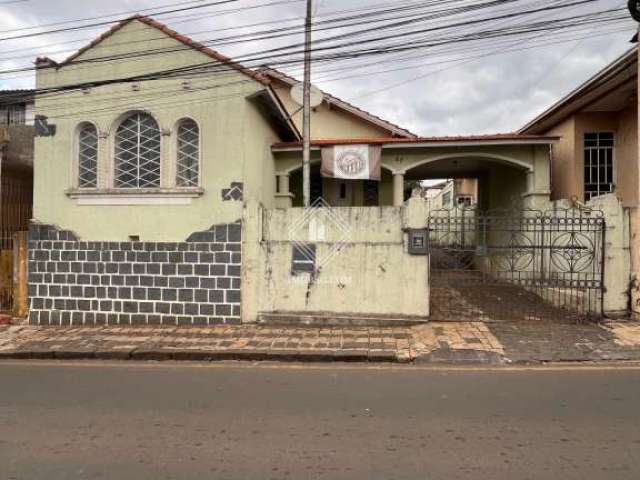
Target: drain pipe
x,y
634,250
634,242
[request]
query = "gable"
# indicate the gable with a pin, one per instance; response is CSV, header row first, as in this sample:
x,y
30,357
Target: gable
x,y
150,46
335,118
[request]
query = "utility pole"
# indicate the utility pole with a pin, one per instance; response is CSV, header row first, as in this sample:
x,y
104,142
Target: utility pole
x,y
306,120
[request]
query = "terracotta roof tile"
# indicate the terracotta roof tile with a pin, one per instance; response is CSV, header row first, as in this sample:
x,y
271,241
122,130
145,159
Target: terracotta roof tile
x,y
452,139
333,99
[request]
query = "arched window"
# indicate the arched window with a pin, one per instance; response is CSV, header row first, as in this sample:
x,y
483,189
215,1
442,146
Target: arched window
x,y
87,156
137,152
188,154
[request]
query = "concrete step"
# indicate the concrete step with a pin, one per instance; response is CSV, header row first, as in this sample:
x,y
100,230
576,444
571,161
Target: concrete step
x,y
324,319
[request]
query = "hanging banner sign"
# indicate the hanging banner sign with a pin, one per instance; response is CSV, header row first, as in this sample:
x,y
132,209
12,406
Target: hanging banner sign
x,y
351,162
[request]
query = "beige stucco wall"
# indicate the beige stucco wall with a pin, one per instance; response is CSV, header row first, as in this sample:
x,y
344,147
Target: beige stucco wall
x,y
568,156
235,140
467,186
564,170
327,121
371,275
626,157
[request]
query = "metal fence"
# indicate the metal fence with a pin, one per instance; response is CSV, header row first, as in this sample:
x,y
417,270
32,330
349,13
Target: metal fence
x,y
516,265
16,192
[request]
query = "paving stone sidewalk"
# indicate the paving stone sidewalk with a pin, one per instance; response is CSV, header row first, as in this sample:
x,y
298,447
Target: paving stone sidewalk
x,y
445,342
247,342
535,341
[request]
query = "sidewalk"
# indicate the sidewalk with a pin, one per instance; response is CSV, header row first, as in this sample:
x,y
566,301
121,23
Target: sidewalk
x,y
450,342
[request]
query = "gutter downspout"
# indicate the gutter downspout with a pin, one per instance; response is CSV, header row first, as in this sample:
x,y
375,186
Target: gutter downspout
x,y
634,236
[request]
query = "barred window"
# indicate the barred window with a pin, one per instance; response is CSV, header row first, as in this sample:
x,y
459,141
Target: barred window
x,y
188,154
87,156
137,152
598,164
13,114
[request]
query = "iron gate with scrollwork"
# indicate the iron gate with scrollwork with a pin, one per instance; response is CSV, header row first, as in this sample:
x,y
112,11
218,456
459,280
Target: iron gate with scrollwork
x,y
516,265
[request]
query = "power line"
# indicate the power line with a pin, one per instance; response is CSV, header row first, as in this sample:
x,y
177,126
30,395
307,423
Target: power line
x,y
76,20
207,68
99,24
343,36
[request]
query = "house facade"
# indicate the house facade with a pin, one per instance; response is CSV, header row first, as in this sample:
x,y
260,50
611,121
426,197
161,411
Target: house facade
x,y
597,155
167,190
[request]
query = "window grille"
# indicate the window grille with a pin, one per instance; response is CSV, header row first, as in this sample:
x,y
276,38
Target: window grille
x,y
188,154
88,156
137,152
598,164
13,115
464,200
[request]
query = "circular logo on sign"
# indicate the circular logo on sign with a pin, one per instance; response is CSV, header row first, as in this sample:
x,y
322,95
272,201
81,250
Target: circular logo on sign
x,y
351,163
634,9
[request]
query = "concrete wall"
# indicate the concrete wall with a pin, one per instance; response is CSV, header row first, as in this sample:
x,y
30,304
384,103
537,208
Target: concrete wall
x,y
371,274
235,140
568,155
617,271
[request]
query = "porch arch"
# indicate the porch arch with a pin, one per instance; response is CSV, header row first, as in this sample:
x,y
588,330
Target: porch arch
x,y
514,162
500,179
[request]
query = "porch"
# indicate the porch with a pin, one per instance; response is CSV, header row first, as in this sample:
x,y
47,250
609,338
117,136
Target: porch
x,y
508,169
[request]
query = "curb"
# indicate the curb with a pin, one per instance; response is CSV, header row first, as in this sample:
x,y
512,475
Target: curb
x,y
462,357
354,356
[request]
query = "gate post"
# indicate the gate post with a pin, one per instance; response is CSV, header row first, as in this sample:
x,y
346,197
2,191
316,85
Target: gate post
x,y
20,289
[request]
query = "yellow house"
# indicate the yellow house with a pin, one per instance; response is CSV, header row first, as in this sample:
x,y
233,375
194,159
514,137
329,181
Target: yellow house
x,y
166,177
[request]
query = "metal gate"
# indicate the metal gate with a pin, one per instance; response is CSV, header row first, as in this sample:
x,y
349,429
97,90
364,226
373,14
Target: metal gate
x,y
516,264
16,191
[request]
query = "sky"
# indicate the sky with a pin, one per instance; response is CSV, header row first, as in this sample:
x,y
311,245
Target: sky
x,y
444,91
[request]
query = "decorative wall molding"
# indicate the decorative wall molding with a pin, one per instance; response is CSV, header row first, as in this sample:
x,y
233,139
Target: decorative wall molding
x,y
127,196
234,193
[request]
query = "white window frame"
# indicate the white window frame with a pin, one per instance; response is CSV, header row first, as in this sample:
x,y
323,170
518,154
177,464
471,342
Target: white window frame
x,y
76,155
176,153
108,194
138,155
614,172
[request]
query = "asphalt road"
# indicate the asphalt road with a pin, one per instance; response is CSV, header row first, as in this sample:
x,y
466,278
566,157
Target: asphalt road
x,y
187,421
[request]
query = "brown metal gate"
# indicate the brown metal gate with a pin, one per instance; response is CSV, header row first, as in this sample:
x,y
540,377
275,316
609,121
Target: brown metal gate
x,y
16,193
516,265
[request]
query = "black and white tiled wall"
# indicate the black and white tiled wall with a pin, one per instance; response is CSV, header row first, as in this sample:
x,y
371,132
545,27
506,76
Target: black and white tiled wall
x,y
196,282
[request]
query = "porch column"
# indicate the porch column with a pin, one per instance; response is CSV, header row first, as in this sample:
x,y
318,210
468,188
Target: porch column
x,y
398,189
284,198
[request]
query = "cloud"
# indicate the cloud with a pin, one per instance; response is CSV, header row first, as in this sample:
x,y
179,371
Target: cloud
x,y
489,94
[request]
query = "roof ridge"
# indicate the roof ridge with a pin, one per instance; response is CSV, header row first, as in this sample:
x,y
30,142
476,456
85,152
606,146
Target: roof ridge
x,y
394,126
256,75
396,140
